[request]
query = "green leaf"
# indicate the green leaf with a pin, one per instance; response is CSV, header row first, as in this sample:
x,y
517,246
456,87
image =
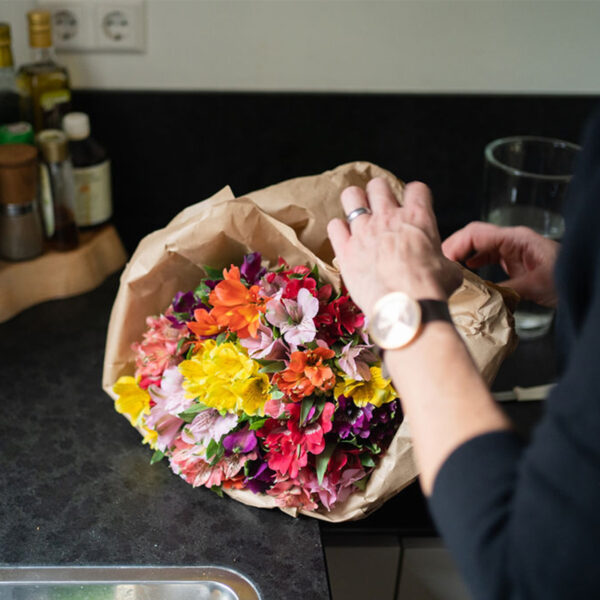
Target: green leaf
x,y
180,344
361,484
276,394
257,424
271,366
212,449
366,460
222,337
189,414
307,404
314,272
319,406
296,276
322,460
202,292
157,456
213,273
189,353
217,490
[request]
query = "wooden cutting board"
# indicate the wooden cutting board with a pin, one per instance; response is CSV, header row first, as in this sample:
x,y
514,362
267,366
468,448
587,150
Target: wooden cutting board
x,y
60,274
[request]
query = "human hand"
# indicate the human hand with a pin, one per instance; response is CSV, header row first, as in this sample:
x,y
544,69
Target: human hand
x,y
396,248
527,257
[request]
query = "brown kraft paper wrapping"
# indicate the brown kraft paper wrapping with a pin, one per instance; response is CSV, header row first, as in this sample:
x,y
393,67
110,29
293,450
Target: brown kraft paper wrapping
x,y
288,220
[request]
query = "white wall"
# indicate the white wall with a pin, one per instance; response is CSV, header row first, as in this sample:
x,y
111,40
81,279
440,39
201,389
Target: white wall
x,y
505,46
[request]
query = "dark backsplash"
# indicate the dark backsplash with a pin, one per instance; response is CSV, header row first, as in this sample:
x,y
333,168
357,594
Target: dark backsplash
x,y
172,149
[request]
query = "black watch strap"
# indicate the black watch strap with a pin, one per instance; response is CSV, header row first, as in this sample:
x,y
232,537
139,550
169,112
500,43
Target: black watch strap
x,y
434,310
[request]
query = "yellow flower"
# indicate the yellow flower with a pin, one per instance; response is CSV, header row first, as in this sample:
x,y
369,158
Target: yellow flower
x,y
253,393
150,437
224,377
377,390
133,401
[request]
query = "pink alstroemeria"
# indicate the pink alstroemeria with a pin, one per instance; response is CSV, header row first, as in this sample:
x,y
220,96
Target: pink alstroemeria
x,y
295,318
208,425
170,400
265,345
354,361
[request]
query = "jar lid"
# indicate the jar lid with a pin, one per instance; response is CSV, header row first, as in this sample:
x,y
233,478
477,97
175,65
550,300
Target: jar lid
x,y
16,155
16,133
53,145
18,173
76,125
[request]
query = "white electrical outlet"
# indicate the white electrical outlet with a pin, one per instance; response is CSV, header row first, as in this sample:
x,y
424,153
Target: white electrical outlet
x,y
116,25
72,27
119,25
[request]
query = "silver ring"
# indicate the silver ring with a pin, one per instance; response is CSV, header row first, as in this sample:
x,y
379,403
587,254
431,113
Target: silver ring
x,y
361,210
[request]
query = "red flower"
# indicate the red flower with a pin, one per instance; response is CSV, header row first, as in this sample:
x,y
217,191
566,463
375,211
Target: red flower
x,y
337,316
288,444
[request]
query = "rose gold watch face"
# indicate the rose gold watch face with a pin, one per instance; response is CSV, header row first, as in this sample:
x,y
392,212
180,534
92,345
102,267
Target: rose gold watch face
x,y
396,320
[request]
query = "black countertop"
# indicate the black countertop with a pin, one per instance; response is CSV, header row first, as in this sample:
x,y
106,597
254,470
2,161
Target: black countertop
x,y
76,486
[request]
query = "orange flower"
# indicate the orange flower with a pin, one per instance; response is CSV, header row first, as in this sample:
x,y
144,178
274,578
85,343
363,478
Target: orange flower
x,y
205,324
305,373
236,306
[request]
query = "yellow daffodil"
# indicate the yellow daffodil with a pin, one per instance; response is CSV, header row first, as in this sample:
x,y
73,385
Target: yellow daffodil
x,y
377,390
224,377
133,401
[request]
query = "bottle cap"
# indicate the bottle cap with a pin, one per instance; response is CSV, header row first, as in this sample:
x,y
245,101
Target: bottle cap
x,y
76,125
40,28
16,133
53,145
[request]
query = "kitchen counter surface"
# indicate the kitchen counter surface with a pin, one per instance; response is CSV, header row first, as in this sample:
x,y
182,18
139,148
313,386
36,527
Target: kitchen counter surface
x,y
76,486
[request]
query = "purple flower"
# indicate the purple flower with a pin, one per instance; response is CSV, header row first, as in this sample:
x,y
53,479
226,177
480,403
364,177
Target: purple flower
x,y
260,478
351,420
183,307
251,269
243,441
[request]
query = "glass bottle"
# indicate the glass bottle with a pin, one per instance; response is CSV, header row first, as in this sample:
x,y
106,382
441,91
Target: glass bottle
x,y
91,168
57,190
9,96
45,94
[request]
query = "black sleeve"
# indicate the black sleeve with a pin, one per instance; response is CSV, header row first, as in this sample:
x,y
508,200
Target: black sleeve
x,y
524,521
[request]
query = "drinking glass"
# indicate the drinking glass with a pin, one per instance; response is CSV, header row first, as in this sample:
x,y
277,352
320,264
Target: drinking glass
x,y
525,183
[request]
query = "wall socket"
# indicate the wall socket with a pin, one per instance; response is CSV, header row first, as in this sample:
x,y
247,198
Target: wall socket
x,y
97,25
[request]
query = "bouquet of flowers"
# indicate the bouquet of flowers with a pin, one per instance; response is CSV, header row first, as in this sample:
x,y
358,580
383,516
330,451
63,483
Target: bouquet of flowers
x,y
265,380
262,384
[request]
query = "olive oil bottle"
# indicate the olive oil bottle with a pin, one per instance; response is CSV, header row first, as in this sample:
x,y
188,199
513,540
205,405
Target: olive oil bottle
x,y
45,93
9,97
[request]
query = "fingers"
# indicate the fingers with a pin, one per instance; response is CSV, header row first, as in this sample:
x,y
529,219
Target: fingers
x,y
339,234
484,239
353,198
380,195
418,210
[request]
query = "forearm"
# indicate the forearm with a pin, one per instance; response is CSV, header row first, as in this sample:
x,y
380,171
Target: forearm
x,y
444,398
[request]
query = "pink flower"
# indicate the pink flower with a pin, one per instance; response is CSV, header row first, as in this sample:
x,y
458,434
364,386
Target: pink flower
x,y
288,493
264,345
169,400
354,361
295,318
158,349
208,425
187,462
333,489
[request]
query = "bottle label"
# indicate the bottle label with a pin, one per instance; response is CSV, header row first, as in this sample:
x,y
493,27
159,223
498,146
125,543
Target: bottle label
x,y
46,201
93,200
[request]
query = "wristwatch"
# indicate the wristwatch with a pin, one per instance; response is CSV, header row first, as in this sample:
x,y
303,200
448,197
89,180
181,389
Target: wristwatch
x,y
398,319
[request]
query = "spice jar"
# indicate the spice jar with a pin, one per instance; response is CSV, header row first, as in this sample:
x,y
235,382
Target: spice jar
x,y
57,190
21,235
